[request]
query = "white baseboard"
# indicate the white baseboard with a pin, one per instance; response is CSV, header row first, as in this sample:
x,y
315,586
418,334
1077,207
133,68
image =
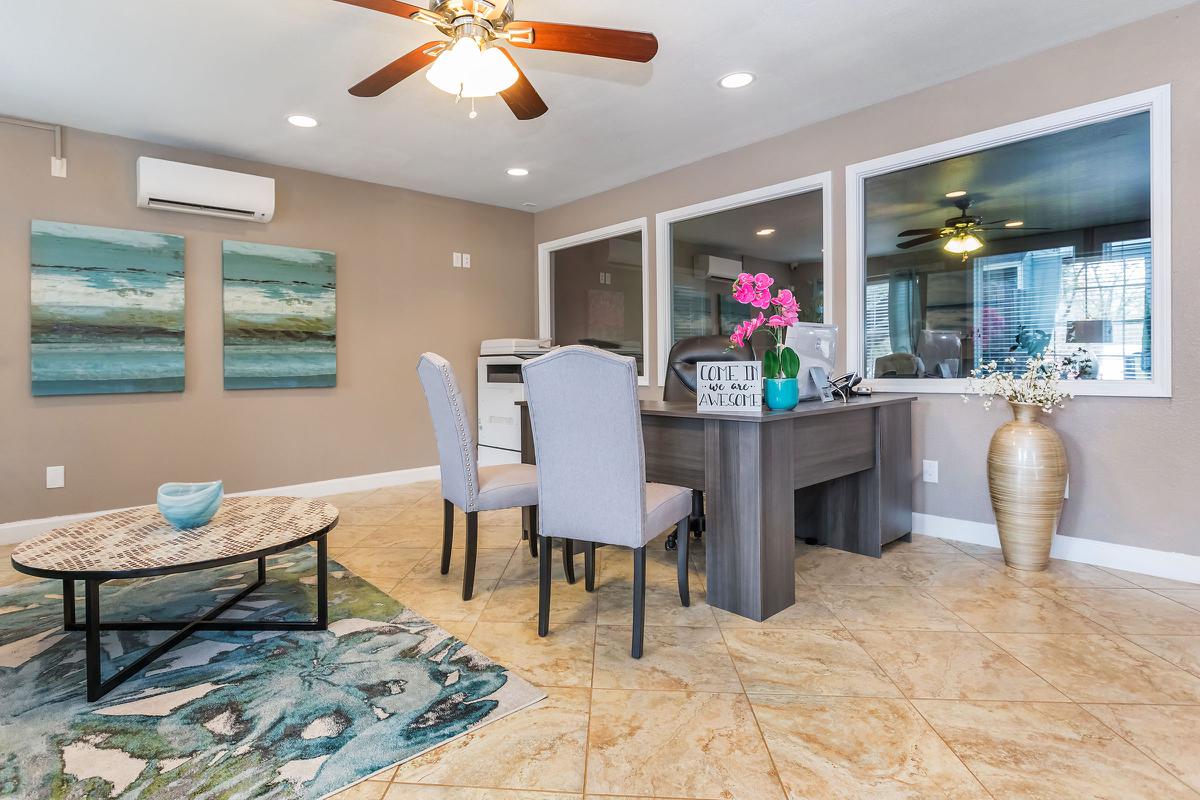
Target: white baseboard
x,y
13,532
1159,563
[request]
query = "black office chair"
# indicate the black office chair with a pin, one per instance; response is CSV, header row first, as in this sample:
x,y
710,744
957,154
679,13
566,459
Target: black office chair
x,y
681,386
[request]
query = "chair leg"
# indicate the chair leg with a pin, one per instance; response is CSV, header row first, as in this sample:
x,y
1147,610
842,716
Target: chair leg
x,y
533,531
568,553
447,534
546,550
639,600
589,566
696,523
682,529
472,547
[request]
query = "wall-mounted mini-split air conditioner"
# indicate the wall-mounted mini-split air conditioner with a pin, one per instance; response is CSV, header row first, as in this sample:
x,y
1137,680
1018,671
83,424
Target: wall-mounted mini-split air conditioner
x,y
192,189
718,267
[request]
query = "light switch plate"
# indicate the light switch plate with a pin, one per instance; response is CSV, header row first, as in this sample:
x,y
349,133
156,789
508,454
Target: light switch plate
x,y
56,477
457,260
929,471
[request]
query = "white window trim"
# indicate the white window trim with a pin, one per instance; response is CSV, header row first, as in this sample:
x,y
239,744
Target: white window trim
x,y
1158,102
663,221
546,280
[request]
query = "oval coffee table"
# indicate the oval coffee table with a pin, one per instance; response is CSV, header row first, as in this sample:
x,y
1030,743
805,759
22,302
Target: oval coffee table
x,y
139,543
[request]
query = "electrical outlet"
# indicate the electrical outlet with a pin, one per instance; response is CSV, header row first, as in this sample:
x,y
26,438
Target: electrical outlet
x,y
466,260
929,471
58,167
56,477
456,260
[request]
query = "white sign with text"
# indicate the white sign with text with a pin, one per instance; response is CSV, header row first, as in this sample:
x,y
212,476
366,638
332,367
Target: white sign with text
x,y
729,387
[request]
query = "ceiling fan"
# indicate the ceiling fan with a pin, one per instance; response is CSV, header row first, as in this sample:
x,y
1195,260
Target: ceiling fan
x,y
962,233
472,64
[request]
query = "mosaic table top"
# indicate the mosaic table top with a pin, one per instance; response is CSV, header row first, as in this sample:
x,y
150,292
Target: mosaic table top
x,y
138,541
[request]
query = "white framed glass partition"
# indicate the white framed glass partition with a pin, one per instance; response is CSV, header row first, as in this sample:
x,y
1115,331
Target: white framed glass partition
x,y
784,230
1050,236
594,289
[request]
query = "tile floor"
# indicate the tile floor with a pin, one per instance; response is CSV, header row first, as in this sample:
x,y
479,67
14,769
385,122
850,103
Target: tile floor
x,y
934,672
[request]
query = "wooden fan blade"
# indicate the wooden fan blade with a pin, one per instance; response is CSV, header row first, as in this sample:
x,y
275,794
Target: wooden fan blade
x,y
397,71
521,97
933,237
919,231
602,42
394,7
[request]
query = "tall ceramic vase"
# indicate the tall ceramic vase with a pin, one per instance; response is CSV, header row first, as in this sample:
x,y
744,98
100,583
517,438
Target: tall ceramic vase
x,y
1027,474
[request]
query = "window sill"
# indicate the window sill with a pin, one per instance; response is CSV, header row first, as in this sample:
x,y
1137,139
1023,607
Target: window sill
x,y
1156,388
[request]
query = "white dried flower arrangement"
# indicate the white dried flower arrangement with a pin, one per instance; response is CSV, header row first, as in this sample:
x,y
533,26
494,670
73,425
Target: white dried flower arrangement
x,y
1039,385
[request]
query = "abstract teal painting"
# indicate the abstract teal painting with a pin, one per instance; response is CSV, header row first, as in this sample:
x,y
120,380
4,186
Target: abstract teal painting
x,y
280,316
106,309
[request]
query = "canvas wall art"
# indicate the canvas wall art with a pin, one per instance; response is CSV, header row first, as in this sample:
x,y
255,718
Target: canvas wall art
x,y
280,308
106,310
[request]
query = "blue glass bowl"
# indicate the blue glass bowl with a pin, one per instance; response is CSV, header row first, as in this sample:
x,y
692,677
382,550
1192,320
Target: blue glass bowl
x,y
190,505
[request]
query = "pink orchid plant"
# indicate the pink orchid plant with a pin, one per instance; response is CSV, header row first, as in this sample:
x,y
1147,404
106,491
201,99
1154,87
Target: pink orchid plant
x,y
755,291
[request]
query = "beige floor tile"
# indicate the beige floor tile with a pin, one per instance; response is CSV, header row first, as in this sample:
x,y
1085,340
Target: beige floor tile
x,y
540,748
1047,751
367,790
564,658
1165,733
808,612
410,791
1189,597
525,567
1150,581
951,665
806,662
615,606
368,515
1060,575
1021,610
975,549
491,538
393,496
489,563
822,565
346,499
693,659
1130,611
939,569
677,744
852,748
381,562
662,567
1100,668
349,535
518,602
1182,651
459,628
920,544
442,600
400,534
889,608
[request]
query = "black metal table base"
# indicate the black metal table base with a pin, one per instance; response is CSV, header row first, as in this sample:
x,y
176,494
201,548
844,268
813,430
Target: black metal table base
x,y
97,686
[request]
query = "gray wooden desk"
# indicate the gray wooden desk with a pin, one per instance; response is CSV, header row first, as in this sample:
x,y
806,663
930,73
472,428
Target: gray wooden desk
x,y
840,473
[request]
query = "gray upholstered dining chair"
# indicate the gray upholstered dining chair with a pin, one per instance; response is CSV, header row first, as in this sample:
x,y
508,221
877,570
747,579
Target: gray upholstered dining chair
x,y
587,434
464,483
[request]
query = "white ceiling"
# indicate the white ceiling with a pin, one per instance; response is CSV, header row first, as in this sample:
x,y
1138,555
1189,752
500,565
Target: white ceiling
x,y
221,75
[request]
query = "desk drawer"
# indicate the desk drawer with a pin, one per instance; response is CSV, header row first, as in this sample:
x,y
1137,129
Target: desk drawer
x,y
832,445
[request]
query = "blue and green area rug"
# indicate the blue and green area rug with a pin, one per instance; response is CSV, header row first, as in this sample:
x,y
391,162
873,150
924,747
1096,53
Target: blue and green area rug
x,y
235,715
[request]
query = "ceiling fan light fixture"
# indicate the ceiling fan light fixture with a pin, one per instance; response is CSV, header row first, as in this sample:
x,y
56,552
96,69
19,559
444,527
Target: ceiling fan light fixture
x,y
963,243
468,70
737,80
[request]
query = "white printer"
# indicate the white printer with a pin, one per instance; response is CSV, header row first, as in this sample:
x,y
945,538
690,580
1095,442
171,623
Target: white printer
x,y
500,389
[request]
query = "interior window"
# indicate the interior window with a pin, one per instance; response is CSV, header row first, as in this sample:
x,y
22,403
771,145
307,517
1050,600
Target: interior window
x,y
1040,246
598,295
783,238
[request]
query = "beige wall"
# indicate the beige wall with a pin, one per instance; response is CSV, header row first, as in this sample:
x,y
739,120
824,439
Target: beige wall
x,y
1135,462
397,296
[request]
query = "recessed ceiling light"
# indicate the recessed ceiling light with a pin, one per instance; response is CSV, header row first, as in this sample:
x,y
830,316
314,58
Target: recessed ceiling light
x,y
766,231
737,80
518,172
1016,223
529,205
956,193
302,121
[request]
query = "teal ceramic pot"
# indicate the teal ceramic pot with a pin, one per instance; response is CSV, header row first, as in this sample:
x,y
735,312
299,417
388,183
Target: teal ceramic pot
x,y
190,505
782,393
